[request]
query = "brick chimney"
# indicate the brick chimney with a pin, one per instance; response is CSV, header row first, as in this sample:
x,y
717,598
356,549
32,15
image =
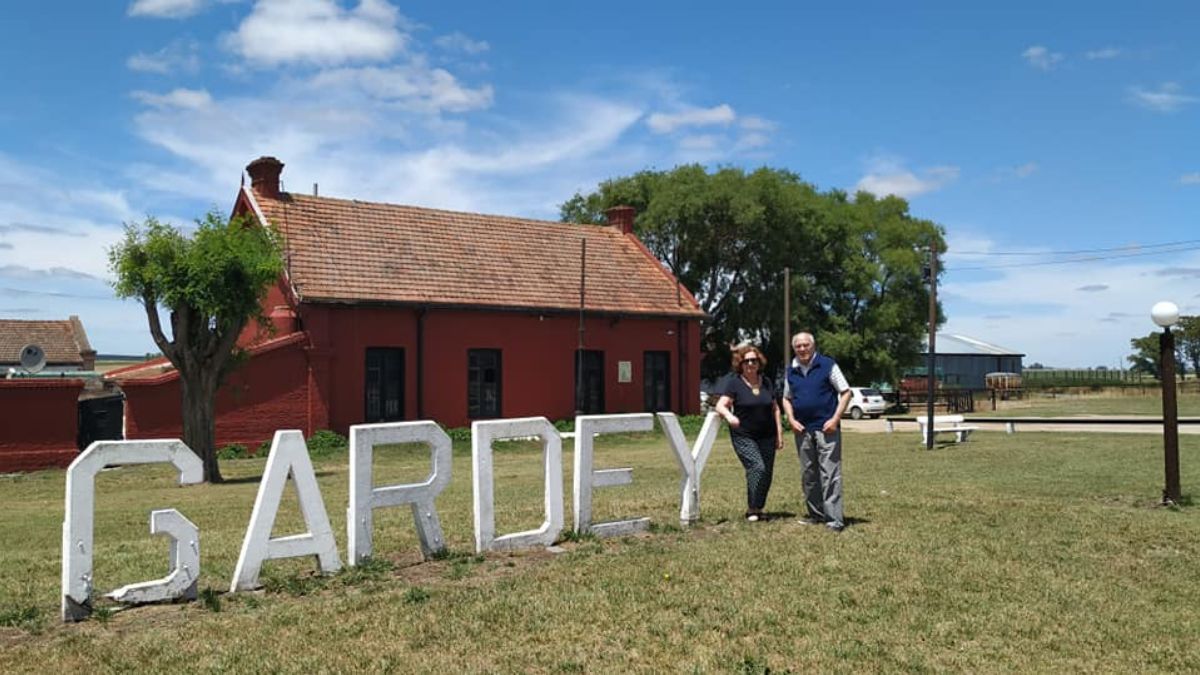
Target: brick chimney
x,y
621,217
264,176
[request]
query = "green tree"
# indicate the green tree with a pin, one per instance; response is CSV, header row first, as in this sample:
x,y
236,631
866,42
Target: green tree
x,y
212,283
1187,338
728,235
1147,355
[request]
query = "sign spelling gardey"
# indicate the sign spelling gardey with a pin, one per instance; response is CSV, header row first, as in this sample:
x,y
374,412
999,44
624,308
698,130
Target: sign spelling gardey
x,y
289,455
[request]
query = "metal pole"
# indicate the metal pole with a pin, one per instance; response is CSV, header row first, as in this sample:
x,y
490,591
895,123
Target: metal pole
x,y
1171,493
931,370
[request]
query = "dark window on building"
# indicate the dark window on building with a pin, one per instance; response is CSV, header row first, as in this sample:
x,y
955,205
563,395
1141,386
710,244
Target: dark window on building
x,y
656,380
589,381
483,383
384,384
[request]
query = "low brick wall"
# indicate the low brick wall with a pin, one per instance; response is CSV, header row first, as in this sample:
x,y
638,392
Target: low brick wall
x,y
39,422
268,392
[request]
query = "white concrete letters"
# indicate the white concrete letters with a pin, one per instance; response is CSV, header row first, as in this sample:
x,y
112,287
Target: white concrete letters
x,y
483,434
79,518
691,462
184,554
586,428
289,454
365,498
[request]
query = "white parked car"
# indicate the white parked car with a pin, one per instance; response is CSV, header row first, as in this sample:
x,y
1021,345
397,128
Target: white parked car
x,y
865,401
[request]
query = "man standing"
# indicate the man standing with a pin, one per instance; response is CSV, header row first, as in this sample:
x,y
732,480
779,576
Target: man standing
x,y
815,395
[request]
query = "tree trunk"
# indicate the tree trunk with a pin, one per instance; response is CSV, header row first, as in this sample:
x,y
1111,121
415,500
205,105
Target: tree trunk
x,y
199,421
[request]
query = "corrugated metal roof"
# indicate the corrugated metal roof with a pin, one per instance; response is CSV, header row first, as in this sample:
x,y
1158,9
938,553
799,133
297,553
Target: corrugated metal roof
x,y
948,343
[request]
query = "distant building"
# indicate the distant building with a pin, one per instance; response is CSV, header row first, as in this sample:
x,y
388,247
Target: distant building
x,y
64,343
963,361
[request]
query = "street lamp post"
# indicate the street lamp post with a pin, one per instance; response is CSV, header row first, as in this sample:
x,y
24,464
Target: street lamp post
x,y
1165,314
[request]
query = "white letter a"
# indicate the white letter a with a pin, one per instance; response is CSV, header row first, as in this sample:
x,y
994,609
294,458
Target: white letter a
x,y
289,454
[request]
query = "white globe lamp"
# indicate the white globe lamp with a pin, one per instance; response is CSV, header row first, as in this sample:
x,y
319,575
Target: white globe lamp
x,y
1165,314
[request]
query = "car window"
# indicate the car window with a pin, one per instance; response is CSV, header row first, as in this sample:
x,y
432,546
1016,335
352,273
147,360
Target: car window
x,y
870,392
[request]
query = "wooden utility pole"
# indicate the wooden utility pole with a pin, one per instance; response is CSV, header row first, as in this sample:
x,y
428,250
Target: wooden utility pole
x,y
1166,345
579,348
931,369
787,318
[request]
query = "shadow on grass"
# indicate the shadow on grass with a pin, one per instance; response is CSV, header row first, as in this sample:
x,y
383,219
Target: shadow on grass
x,y
258,479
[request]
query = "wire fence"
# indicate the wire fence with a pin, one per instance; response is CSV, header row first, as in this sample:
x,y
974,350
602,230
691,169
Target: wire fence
x,y
1084,377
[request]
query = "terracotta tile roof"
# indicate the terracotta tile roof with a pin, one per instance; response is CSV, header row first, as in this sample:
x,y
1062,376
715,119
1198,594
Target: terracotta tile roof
x,y
64,342
159,370
353,251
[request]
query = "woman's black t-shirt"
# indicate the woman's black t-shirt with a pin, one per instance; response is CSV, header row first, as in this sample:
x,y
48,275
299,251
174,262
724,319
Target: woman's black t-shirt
x,y
755,412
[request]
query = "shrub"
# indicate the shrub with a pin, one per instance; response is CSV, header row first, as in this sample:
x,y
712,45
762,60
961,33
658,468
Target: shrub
x,y
459,434
324,442
232,451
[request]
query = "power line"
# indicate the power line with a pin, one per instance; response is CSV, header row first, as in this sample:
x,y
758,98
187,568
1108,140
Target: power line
x,y
1131,247
1075,260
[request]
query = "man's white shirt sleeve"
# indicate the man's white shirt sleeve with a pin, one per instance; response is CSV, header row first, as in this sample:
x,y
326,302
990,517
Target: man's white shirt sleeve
x,y
838,380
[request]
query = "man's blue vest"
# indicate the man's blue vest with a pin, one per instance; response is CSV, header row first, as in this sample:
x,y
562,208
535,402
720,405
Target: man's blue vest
x,y
814,398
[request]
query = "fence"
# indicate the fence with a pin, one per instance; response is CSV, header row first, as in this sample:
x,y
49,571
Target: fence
x,y
951,400
1084,377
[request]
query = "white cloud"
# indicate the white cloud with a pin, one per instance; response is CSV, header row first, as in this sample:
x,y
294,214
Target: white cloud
x,y
755,123
1169,97
414,85
699,143
461,43
888,176
1190,178
188,99
1103,54
165,9
1025,170
180,55
1041,57
318,32
751,141
665,123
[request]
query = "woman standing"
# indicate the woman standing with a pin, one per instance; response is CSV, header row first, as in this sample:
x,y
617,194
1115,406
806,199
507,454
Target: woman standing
x,y
749,407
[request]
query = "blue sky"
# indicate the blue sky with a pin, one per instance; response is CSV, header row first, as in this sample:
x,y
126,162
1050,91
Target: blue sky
x,y
1025,127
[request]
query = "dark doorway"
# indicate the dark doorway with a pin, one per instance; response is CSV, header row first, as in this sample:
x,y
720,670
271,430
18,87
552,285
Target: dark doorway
x,y
589,381
483,383
384,384
101,419
656,380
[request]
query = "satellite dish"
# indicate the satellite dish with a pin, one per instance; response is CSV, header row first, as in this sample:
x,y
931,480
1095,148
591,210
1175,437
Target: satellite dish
x,y
33,358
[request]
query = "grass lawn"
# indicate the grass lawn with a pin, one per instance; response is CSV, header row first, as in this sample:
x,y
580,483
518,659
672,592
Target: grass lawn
x,y
1027,552
1108,402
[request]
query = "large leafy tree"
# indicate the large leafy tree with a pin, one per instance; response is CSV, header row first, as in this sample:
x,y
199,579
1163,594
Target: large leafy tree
x,y
1188,340
211,283
1147,355
728,235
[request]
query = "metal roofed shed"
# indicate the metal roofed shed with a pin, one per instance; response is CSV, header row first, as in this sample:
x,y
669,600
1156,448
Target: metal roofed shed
x,y
964,362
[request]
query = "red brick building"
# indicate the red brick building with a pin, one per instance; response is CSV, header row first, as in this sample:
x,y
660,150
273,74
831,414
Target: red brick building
x,y
390,312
